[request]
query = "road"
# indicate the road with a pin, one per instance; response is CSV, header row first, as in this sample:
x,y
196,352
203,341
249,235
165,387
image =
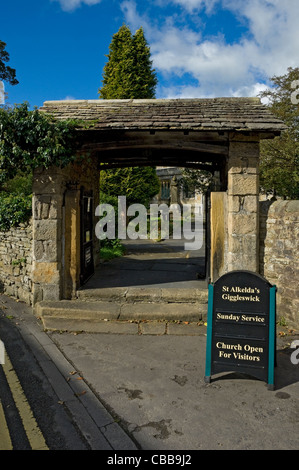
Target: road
x,y
31,415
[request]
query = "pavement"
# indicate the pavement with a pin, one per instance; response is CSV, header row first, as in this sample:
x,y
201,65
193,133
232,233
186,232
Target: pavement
x,y
147,391
150,264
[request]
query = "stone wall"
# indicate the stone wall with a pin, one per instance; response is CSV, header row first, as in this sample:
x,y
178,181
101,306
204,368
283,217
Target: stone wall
x,y
16,262
279,254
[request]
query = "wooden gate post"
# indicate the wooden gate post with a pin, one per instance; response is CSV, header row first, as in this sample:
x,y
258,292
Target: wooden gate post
x,y
71,243
218,234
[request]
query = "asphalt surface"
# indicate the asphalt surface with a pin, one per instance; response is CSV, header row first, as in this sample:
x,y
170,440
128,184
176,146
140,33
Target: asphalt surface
x,y
128,392
147,263
147,392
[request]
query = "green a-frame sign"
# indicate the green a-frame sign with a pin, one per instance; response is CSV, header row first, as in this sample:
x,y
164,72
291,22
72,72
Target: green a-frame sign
x,y
241,326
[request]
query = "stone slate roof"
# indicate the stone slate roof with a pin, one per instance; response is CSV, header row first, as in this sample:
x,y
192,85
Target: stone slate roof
x,y
218,114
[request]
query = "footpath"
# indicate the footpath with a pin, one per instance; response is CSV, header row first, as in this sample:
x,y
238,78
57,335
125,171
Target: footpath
x,y
146,390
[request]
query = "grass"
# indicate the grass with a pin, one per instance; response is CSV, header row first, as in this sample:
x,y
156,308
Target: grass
x,y
111,249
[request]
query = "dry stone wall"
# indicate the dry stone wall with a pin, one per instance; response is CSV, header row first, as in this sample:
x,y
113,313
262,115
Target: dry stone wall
x,y
279,254
16,262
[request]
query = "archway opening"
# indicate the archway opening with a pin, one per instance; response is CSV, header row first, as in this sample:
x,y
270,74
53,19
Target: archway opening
x,y
172,261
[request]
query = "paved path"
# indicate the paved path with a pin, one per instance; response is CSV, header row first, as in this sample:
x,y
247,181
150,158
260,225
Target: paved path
x,y
147,263
148,391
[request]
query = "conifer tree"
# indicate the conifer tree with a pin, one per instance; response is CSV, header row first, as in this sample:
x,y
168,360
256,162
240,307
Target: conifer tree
x,y
128,73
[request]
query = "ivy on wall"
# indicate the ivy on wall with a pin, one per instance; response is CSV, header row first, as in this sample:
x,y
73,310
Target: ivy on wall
x,y
29,139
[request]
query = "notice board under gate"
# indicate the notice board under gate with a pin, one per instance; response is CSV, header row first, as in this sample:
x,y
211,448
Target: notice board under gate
x,y
241,326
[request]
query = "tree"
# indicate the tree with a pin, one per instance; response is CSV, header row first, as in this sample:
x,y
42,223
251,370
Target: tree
x,y
196,180
279,167
7,73
137,184
128,73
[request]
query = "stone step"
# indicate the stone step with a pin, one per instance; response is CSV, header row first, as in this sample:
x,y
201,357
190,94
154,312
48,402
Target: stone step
x,y
142,294
123,310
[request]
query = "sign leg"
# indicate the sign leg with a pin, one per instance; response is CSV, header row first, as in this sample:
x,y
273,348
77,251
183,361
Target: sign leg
x,y
272,336
209,335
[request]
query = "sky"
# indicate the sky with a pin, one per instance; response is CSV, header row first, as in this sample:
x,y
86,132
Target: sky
x,y
199,48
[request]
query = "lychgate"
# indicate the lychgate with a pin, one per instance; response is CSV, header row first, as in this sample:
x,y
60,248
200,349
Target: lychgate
x,y
220,135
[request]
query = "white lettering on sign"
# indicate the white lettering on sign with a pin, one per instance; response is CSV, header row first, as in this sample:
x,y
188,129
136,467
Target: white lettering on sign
x,y
236,290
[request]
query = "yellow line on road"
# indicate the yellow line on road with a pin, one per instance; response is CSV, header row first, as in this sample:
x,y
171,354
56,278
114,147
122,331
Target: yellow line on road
x,y
32,430
5,441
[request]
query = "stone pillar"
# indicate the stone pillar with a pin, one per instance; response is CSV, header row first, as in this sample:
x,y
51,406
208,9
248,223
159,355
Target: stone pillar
x,y
56,228
48,188
243,206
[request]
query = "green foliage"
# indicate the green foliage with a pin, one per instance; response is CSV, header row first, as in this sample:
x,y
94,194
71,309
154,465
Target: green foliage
x,y
279,167
7,73
109,199
31,139
139,185
111,249
14,210
28,140
21,184
196,180
128,73
16,201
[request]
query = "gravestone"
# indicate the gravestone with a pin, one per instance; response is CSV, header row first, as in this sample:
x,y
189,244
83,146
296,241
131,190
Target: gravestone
x,y
241,326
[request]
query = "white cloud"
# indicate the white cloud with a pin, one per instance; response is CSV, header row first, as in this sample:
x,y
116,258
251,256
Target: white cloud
x,y
192,5
133,18
242,68
70,5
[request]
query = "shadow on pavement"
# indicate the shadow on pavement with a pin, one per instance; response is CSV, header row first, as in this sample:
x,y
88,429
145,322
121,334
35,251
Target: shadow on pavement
x,y
152,264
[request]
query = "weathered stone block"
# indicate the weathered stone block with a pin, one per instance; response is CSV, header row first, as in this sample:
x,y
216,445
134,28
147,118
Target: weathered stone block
x,y
240,262
242,223
38,250
46,273
243,203
47,230
243,157
243,245
242,184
